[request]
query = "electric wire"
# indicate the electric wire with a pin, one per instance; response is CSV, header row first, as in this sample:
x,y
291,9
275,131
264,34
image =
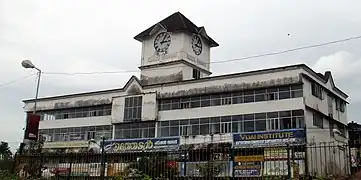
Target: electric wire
x,y
219,62
16,80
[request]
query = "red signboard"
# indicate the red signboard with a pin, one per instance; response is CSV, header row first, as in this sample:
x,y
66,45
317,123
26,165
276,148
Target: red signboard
x,y
32,127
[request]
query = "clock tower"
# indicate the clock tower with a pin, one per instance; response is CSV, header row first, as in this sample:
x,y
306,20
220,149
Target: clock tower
x,y
174,49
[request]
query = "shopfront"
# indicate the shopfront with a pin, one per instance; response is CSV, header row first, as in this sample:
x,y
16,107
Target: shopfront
x,y
269,153
141,145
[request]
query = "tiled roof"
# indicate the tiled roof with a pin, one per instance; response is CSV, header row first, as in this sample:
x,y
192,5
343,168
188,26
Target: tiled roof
x,y
178,22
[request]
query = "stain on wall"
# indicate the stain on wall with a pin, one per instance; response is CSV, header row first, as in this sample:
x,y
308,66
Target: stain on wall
x,y
232,87
81,103
134,90
146,80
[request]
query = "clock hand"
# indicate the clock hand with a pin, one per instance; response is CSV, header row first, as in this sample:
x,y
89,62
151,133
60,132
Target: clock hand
x,y
164,42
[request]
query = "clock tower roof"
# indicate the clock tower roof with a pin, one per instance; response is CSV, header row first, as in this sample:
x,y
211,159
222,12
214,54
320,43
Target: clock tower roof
x,y
177,22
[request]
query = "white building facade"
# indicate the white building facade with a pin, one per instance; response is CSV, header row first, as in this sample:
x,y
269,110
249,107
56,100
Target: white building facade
x,y
176,98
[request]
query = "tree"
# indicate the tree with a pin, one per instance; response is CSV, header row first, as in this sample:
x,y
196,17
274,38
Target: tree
x,y
6,160
210,169
32,165
155,167
5,150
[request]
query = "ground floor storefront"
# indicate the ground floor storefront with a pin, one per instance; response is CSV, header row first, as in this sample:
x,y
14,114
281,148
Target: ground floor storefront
x,y
282,153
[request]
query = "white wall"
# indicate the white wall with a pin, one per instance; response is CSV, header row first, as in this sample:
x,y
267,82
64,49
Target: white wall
x,y
180,48
76,122
204,58
76,101
148,50
172,88
118,109
322,105
150,108
324,154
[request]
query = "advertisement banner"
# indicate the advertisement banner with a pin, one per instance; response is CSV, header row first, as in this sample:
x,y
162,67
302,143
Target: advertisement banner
x,y
269,138
149,144
247,166
247,169
32,127
65,144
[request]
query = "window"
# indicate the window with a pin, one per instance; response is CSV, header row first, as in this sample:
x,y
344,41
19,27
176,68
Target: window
x,y
331,127
248,96
317,120
79,112
90,135
296,91
226,99
76,133
185,103
226,127
343,106
205,101
273,124
260,95
185,130
316,90
248,126
133,108
138,130
272,94
222,99
196,74
234,123
195,101
284,92
330,105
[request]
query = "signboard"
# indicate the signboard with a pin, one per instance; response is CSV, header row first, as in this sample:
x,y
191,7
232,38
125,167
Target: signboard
x,y
65,144
270,138
32,127
247,166
151,144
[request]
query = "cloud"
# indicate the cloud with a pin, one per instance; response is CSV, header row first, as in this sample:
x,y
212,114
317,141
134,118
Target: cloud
x,y
92,35
342,64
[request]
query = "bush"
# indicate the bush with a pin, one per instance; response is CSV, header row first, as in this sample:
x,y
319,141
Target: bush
x,y
6,175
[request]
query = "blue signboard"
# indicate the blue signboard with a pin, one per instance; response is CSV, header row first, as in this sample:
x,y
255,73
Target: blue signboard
x,y
268,138
148,144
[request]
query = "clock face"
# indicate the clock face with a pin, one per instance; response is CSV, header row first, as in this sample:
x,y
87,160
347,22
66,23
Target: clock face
x,y
196,45
162,42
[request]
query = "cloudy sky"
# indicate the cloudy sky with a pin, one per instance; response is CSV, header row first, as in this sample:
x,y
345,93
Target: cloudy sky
x,y
94,35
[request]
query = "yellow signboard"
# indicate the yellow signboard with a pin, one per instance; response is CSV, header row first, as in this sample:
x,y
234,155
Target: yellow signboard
x,y
248,158
65,144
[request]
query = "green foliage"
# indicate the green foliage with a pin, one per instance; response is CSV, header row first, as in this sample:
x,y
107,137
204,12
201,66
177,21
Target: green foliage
x,y
148,168
6,159
210,169
5,150
6,175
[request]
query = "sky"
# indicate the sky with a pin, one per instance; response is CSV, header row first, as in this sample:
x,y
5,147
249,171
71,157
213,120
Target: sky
x,y
96,36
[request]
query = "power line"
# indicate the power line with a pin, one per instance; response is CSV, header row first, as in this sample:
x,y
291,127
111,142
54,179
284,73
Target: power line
x,y
223,61
16,80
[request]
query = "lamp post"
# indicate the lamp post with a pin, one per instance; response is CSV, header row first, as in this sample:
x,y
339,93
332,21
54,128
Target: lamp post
x,y
29,65
102,156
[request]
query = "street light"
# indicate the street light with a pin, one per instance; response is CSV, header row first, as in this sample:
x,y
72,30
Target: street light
x,y
102,157
29,65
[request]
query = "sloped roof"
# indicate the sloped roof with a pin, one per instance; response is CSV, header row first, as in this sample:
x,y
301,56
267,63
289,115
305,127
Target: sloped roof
x,y
178,22
323,78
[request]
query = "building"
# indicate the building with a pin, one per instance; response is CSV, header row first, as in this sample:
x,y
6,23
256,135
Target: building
x,y
177,102
354,130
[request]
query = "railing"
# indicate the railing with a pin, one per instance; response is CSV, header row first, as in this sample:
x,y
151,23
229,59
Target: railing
x,y
323,160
